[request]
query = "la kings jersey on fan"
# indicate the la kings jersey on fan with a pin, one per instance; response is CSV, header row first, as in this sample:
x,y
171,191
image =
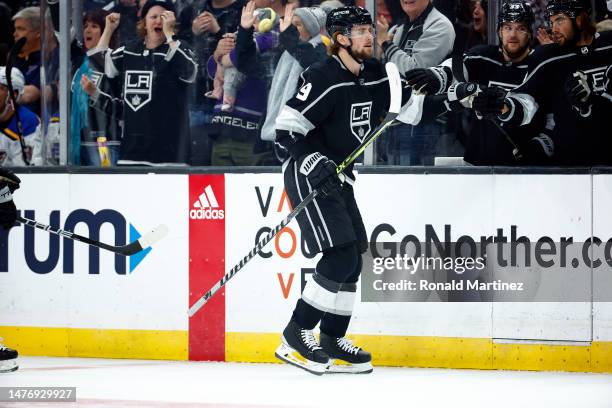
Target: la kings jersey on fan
x,y
154,94
10,146
578,140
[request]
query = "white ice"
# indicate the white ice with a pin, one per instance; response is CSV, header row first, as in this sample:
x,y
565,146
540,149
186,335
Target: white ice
x,y
140,383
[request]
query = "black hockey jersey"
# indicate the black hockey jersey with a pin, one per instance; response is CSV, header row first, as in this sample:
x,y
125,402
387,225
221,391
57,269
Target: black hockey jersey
x,y
578,140
154,99
334,110
485,143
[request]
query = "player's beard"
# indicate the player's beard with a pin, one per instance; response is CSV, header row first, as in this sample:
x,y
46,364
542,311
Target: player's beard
x,y
568,41
515,54
363,54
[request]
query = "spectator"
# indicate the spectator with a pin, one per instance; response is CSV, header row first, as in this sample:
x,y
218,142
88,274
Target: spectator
x,y
6,32
300,37
13,151
228,80
236,133
27,25
388,9
475,33
155,74
92,131
425,39
203,23
86,123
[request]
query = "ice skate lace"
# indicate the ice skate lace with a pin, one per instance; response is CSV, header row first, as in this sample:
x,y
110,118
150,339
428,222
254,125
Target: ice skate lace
x,y
309,339
346,345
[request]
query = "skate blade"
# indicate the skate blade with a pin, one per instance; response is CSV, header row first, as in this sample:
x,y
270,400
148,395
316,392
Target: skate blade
x,y
290,356
8,366
363,368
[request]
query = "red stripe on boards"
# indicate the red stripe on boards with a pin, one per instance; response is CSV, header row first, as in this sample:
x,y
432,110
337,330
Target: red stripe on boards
x,y
207,265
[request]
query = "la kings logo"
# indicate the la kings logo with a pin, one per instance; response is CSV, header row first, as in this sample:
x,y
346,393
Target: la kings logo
x,y
206,207
360,119
137,88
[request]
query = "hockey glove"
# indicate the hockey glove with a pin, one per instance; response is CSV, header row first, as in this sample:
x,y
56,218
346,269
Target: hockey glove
x,y
539,150
9,182
490,102
462,94
320,172
429,81
578,92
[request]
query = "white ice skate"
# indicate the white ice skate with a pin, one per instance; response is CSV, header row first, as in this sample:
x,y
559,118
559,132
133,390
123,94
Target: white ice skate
x,y
357,361
8,359
300,348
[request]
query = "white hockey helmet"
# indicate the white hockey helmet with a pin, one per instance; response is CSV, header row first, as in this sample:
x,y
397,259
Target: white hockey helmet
x,y
17,79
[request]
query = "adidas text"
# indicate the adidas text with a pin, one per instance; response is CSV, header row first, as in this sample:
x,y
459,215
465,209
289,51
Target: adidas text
x,y
206,214
206,207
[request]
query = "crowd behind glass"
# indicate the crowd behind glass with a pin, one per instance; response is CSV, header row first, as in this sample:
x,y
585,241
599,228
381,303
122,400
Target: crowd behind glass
x,y
200,82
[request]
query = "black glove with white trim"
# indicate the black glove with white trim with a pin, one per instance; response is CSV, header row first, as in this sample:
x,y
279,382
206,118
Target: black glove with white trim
x,y
9,182
320,172
490,102
579,93
429,81
462,94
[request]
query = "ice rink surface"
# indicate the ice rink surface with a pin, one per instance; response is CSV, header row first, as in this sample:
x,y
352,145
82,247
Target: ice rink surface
x,y
140,383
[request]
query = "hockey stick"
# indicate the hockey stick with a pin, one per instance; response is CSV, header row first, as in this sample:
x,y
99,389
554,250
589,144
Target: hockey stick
x,y
395,103
9,81
132,248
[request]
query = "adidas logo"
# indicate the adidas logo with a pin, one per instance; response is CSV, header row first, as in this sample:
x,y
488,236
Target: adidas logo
x,y
206,207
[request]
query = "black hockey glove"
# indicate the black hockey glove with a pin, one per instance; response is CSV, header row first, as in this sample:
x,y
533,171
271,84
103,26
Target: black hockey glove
x,y
320,172
539,150
9,182
462,94
579,93
429,81
490,102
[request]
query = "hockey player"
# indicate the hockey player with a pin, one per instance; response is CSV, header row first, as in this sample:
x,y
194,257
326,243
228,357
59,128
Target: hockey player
x,y
156,72
9,182
12,151
337,103
567,80
487,67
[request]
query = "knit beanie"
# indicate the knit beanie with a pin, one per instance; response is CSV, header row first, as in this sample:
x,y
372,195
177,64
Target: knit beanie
x,y
313,19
